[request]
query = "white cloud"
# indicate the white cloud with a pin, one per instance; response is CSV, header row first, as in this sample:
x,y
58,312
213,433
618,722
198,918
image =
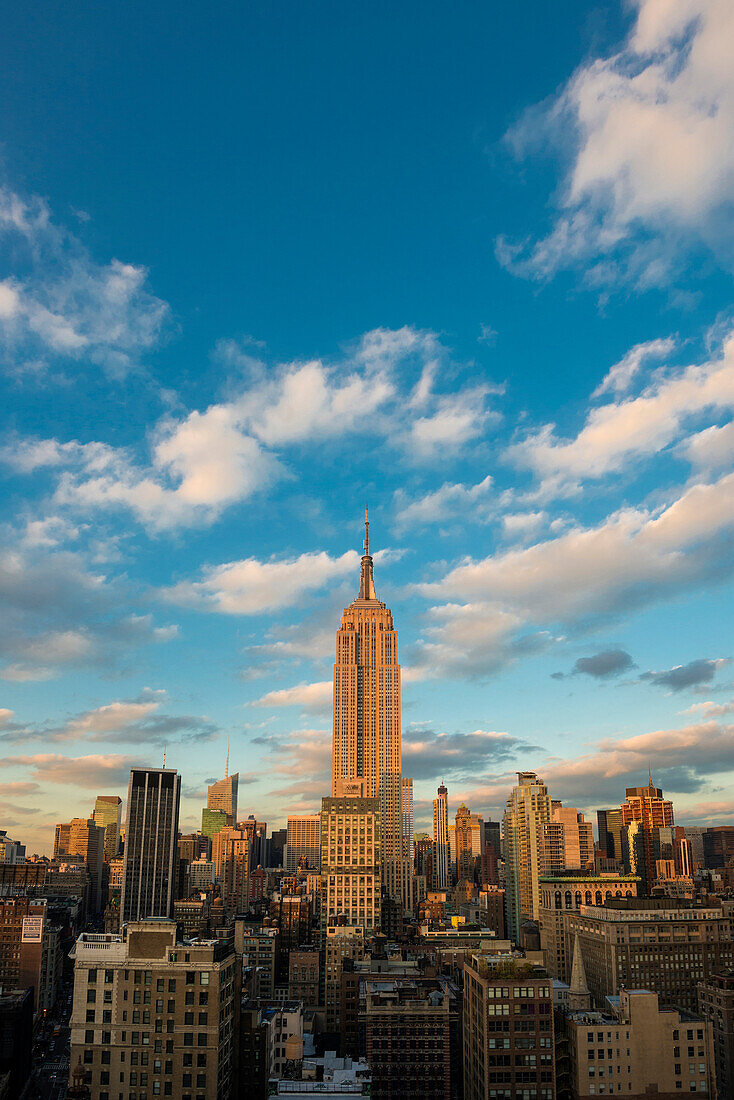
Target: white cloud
x,y
204,461
250,587
316,696
67,306
623,430
633,558
651,134
451,500
712,448
622,374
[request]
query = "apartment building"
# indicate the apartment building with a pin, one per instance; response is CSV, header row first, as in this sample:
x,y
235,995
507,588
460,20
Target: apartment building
x,y
152,1016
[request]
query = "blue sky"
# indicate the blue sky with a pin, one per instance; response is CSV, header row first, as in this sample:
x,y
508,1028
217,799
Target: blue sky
x,y
261,264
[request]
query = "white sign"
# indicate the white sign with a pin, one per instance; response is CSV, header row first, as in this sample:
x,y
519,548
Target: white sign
x,y
32,929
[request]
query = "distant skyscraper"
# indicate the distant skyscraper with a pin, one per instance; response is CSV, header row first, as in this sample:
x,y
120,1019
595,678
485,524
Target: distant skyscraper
x,y
108,814
441,839
367,716
81,837
151,835
468,836
528,811
231,850
646,807
609,823
222,795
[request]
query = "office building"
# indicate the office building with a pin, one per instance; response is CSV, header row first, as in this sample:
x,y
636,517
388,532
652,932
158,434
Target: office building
x,y
231,858
366,732
350,861
222,795
83,839
716,1005
107,813
508,1030
151,832
528,812
561,894
635,1048
303,844
407,1034
664,945
441,859
152,1015
257,948
212,821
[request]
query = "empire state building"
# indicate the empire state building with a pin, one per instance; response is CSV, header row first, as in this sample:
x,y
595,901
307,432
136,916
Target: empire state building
x,y
366,753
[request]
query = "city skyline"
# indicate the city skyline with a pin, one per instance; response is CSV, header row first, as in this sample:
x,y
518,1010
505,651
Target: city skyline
x,y
456,296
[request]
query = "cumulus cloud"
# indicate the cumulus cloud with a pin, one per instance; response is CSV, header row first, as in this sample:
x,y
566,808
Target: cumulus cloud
x,y
709,709
626,430
712,448
66,307
204,461
681,677
505,604
250,587
649,135
632,558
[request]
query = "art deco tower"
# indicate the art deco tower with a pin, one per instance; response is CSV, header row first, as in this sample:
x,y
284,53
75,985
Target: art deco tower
x,y
366,755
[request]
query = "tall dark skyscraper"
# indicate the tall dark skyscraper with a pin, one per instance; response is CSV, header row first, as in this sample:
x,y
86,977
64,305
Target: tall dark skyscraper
x,y
151,834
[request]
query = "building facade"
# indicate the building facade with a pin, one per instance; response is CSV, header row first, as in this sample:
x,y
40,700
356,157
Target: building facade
x,y
663,945
303,842
508,1030
152,1016
350,861
560,894
637,1049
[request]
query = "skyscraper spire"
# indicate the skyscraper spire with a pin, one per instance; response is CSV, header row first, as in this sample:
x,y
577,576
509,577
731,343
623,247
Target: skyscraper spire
x,y
367,579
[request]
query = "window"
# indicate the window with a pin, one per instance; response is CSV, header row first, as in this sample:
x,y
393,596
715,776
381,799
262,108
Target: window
x,y
204,977
190,977
91,975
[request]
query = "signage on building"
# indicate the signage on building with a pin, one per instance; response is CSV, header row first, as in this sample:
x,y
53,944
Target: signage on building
x,y
32,929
